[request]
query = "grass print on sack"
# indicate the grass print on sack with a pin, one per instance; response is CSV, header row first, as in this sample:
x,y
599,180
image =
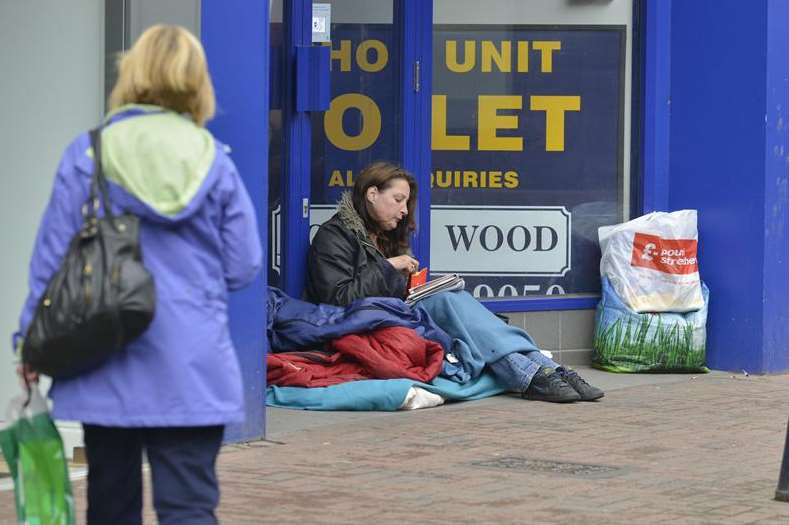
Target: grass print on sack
x,y
627,341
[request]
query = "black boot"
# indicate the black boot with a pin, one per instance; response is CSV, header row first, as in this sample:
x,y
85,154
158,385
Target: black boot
x,y
584,389
547,385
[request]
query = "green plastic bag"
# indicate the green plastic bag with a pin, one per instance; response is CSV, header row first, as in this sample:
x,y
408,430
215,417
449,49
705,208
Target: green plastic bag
x,y
34,452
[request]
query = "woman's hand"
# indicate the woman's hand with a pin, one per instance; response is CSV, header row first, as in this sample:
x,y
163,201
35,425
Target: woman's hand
x,y
26,374
404,263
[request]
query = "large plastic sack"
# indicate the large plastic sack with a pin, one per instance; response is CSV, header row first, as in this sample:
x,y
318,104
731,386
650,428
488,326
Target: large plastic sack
x,y
628,341
34,452
651,261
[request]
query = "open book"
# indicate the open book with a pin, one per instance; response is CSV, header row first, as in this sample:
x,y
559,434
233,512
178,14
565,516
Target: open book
x,y
441,284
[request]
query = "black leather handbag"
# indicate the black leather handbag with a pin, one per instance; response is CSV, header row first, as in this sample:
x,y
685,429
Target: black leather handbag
x,y
101,298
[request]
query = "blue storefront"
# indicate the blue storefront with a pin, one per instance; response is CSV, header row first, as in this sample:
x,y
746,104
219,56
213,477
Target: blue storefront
x,y
527,127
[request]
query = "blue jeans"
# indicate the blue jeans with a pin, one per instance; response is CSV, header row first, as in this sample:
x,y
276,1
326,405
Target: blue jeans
x,y
515,371
480,339
182,459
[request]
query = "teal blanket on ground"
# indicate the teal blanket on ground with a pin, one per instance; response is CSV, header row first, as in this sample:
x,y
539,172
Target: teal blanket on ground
x,y
377,394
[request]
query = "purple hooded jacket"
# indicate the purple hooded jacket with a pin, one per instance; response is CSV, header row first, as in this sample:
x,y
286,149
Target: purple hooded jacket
x,y
199,239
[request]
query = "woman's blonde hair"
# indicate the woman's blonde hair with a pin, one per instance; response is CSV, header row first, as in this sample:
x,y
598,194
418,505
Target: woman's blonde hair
x,y
166,67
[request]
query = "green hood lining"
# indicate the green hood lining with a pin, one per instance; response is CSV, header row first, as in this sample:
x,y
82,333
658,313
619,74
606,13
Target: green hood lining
x,y
162,158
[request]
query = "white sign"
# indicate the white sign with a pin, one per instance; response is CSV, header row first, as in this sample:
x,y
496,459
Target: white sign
x,y
320,213
321,23
500,240
480,240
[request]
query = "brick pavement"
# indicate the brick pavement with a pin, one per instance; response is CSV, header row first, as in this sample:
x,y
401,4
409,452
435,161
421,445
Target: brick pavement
x,y
696,451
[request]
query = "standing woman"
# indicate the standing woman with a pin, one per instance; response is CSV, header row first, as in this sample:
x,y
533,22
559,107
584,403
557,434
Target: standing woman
x,y
171,391
363,251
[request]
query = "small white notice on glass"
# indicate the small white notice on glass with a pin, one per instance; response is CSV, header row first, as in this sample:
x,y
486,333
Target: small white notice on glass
x,y
321,23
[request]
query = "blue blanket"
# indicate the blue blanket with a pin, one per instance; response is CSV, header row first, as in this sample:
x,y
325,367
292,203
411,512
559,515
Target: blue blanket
x,y
478,336
377,394
455,319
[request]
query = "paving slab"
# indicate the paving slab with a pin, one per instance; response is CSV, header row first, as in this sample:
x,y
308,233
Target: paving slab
x,y
702,449
280,421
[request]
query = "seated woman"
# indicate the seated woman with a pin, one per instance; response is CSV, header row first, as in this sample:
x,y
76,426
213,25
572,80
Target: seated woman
x,y
363,251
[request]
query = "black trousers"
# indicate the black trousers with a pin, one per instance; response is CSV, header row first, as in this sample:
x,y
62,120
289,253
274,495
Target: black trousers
x,y
182,461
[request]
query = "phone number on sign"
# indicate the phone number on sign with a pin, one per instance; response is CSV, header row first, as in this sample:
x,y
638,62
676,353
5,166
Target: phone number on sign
x,y
484,291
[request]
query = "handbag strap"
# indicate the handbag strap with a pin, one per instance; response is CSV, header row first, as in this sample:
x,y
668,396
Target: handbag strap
x,y
98,183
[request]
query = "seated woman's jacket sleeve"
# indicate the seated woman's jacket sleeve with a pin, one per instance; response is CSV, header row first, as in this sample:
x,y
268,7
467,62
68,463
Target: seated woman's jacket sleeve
x,y
342,271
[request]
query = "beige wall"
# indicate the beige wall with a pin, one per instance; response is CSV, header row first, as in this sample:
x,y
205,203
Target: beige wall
x,y
51,85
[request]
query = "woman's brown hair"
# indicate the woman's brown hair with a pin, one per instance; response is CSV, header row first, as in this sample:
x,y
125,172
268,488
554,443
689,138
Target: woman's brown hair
x,y
381,174
166,67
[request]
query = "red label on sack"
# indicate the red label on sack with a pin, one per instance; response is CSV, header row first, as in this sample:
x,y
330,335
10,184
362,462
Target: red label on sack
x,y
677,256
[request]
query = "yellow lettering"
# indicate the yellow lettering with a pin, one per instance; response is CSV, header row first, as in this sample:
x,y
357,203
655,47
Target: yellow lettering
x,y
523,56
470,179
473,179
343,55
443,179
554,107
490,121
490,54
336,179
469,55
441,140
546,47
381,56
370,122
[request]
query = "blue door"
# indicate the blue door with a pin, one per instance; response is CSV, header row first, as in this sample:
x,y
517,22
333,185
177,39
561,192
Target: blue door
x,y
350,85
302,117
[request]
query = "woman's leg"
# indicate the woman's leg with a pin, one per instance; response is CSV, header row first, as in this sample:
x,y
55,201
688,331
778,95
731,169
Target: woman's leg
x,y
515,371
183,461
542,360
534,377
481,337
114,475
570,376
